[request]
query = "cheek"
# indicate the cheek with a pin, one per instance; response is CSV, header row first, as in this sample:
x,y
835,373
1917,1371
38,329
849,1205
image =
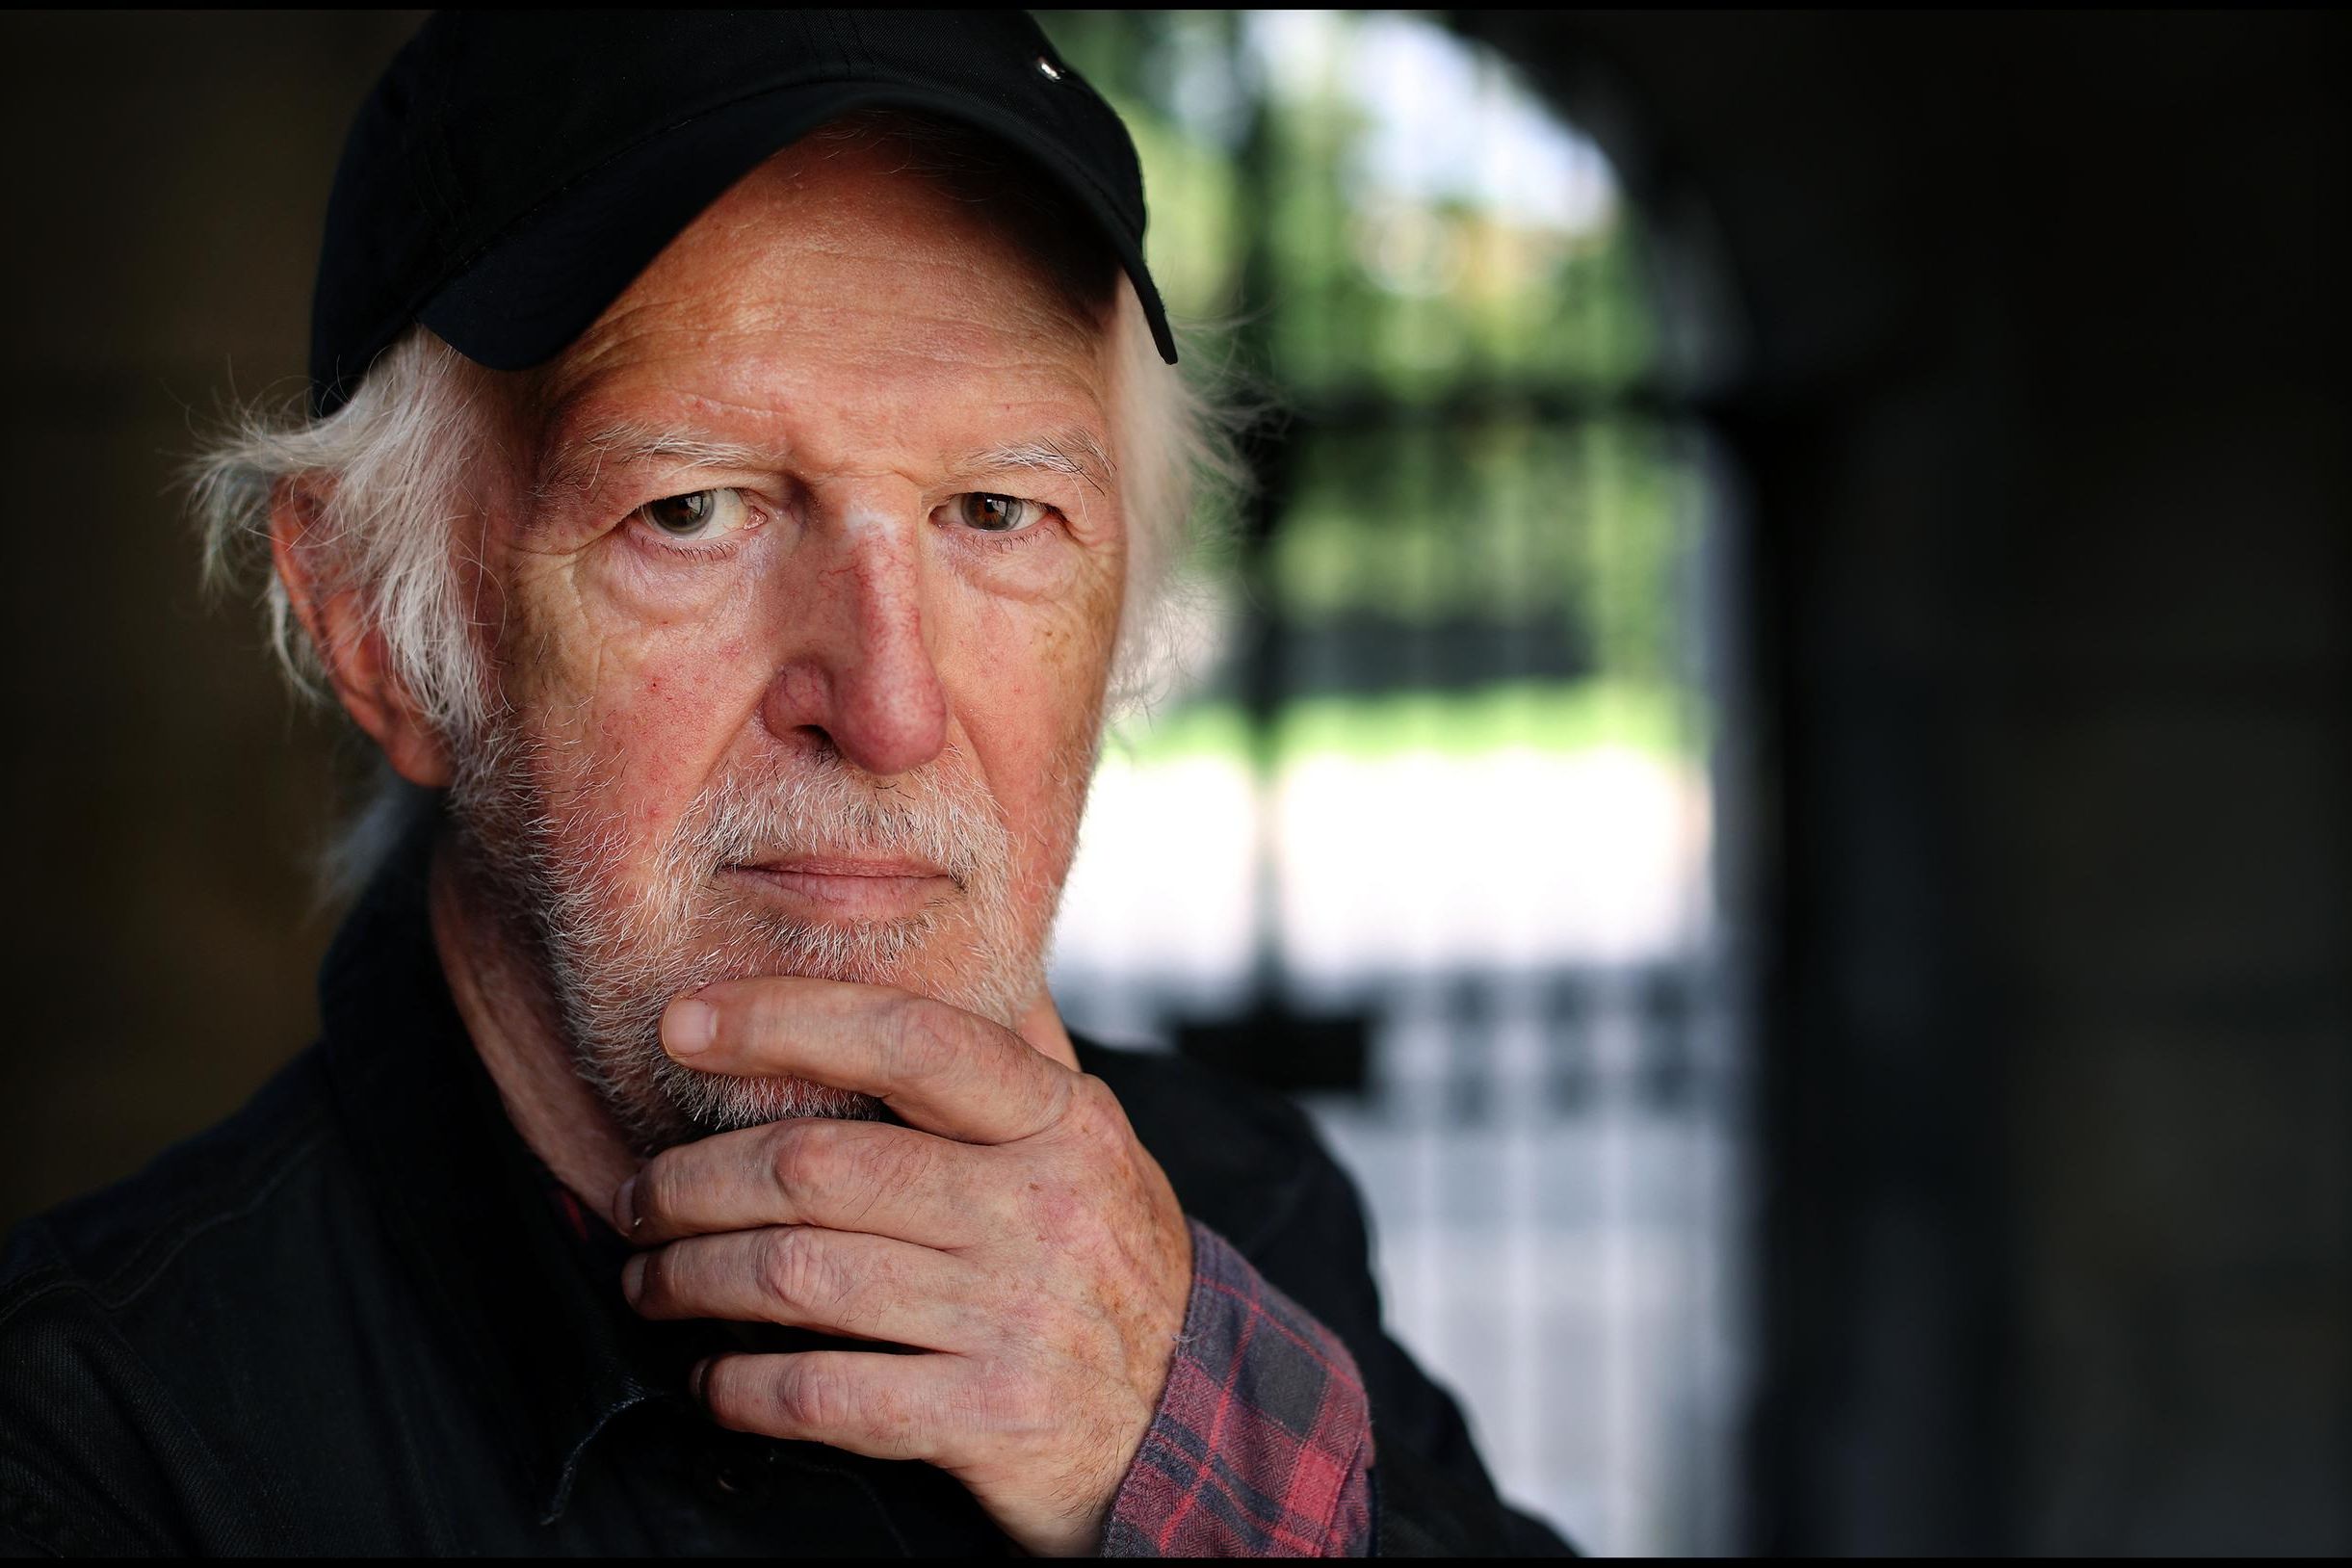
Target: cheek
x,y
1026,682
1033,667
1042,621
646,682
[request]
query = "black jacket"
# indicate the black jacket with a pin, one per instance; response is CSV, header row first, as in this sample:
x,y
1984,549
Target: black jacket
x,y
347,1321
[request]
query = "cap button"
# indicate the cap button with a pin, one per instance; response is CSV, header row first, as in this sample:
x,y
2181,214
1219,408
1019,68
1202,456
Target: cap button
x,y
1048,69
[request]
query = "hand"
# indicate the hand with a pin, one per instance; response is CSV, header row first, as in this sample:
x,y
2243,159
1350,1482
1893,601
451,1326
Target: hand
x,y
1014,1228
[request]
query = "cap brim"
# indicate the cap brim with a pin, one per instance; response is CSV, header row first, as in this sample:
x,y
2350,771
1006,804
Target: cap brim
x,y
541,282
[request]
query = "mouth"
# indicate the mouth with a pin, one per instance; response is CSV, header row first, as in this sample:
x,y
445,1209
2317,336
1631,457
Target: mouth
x,y
850,887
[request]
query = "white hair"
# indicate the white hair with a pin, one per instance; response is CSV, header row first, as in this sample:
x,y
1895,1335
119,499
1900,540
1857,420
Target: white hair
x,y
394,481
386,480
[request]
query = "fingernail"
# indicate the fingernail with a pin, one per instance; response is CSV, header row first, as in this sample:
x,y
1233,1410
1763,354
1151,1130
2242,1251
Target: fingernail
x,y
698,1377
688,1026
624,1208
633,1278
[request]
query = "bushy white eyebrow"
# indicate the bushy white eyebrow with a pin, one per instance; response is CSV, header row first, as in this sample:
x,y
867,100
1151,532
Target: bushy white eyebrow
x,y
629,442
1075,453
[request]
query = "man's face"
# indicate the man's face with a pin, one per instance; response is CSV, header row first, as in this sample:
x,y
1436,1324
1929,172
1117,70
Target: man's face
x,y
806,607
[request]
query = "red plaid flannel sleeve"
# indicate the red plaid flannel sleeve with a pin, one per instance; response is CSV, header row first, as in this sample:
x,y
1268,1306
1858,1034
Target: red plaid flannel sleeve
x,y
1261,1446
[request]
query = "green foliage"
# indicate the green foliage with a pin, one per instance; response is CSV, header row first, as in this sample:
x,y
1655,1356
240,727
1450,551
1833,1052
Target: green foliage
x,y
1458,364
1538,716
1508,521
1366,290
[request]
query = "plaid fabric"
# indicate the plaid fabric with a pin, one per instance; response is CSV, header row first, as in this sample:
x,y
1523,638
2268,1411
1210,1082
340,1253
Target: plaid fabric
x,y
1261,1446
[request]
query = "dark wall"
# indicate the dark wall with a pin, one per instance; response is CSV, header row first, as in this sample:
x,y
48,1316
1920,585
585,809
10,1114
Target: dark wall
x,y
163,186
2038,382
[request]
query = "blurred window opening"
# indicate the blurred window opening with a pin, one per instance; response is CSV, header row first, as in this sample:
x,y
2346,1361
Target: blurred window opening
x,y
1430,837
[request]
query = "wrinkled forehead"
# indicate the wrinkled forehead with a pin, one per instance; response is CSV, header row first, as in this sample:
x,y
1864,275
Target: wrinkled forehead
x,y
882,275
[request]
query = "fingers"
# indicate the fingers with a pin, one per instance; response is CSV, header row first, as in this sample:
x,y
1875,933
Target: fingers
x,y
1002,1437
865,1286
940,1068
844,1175
883,1406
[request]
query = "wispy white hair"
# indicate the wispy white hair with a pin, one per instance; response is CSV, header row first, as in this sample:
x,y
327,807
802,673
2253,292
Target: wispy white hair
x,y
385,477
394,479
1182,477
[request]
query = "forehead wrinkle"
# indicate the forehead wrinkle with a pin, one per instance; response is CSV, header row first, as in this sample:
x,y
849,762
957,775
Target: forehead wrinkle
x,y
751,307
798,333
776,356
857,242
1036,312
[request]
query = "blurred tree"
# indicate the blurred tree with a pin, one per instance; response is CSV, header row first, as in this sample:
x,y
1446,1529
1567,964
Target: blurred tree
x,y
1474,490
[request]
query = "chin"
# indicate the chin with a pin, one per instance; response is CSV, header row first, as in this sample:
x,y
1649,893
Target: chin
x,y
708,1103
659,1102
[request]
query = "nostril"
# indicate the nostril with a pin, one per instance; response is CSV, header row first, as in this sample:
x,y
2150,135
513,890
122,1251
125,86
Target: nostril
x,y
817,742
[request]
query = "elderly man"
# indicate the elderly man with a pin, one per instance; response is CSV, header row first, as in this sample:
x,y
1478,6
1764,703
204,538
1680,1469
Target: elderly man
x,y
740,452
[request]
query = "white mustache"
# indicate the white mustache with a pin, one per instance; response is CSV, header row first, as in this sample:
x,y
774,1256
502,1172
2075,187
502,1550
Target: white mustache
x,y
941,814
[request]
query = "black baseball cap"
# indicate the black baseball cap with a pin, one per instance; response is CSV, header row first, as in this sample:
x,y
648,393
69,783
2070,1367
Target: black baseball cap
x,y
514,171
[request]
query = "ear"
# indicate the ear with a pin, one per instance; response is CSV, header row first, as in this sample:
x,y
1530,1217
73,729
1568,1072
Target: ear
x,y
349,645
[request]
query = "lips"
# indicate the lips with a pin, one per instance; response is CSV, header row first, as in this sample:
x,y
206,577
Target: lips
x,y
850,886
890,867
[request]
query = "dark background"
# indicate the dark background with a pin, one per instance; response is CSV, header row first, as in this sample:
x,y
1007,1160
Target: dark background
x,y
2039,402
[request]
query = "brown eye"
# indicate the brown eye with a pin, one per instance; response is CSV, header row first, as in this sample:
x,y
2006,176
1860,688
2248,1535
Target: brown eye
x,y
700,514
998,514
680,513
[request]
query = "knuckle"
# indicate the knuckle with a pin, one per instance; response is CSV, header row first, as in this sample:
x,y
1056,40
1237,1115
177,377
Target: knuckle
x,y
810,1397
816,1397
796,1156
852,1165
1094,1110
1052,1097
791,1266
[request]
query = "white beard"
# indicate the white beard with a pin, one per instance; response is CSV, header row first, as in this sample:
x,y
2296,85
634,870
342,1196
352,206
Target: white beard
x,y
614,952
